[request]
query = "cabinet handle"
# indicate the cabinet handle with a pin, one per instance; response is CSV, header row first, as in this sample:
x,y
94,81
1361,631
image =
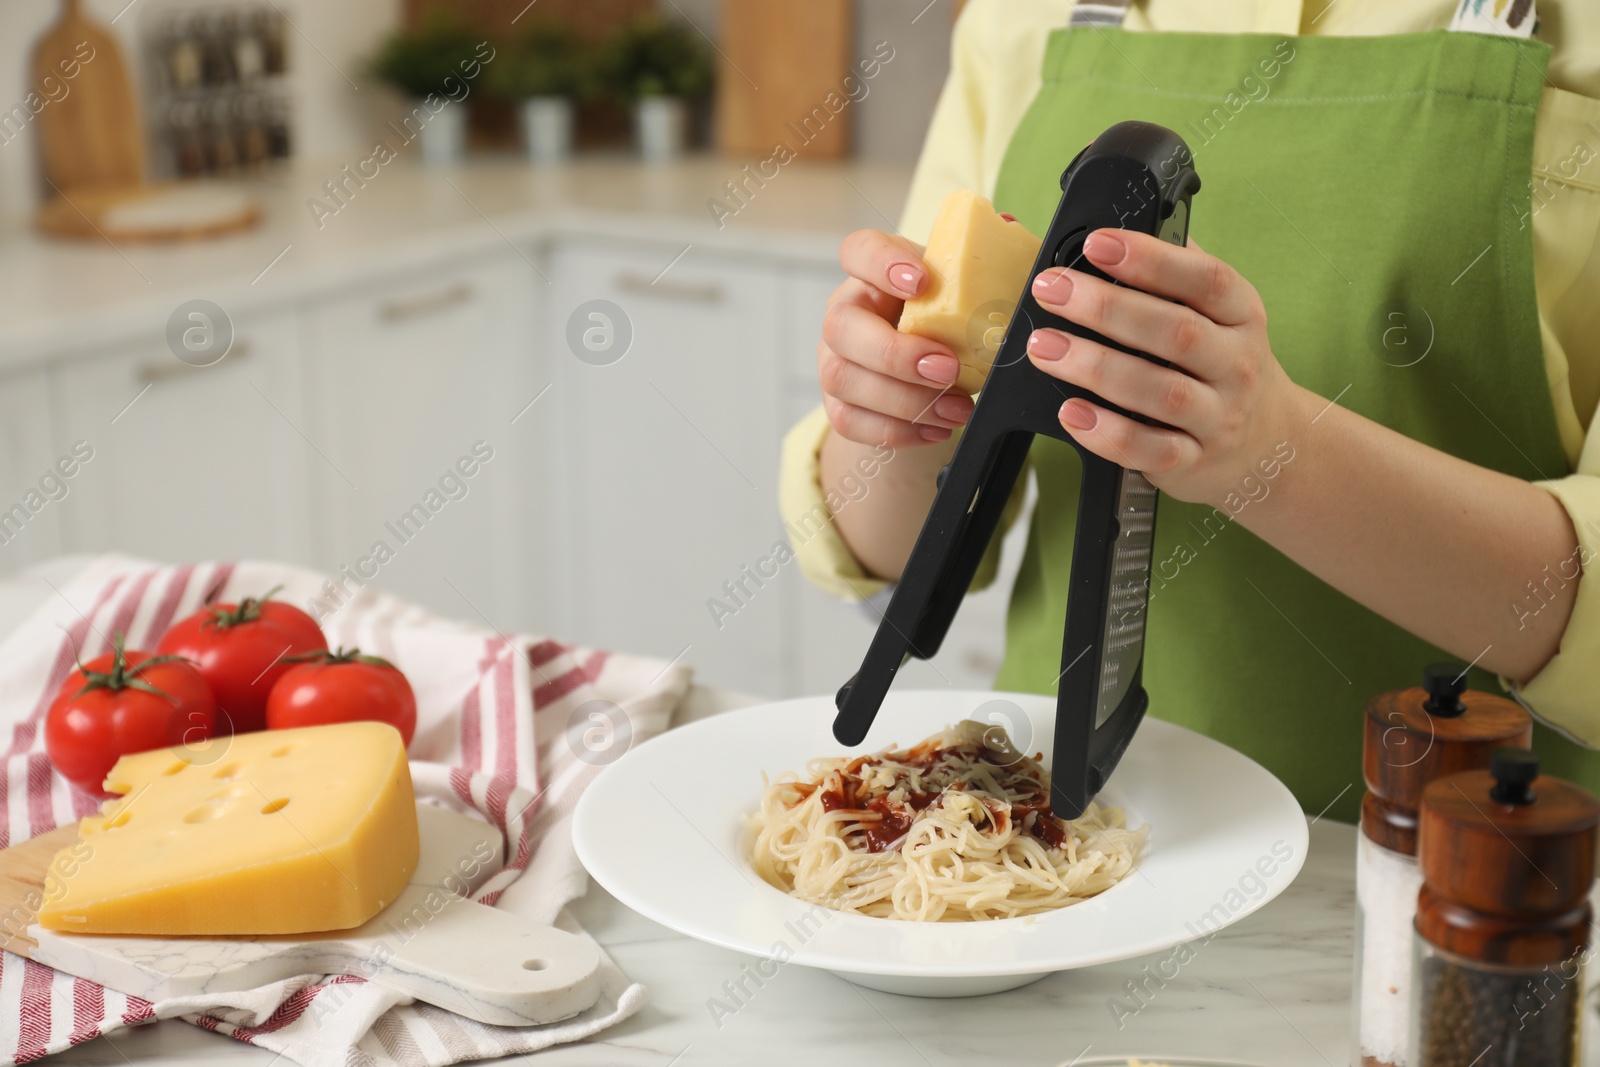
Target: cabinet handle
x,y
694,292
165,370
431,303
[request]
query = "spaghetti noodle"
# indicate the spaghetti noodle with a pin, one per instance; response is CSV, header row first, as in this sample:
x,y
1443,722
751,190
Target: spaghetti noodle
x,y
955,828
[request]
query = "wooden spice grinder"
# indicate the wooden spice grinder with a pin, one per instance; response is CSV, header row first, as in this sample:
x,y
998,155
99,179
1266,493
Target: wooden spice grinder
x,y
1503,918
1507,863
1416,735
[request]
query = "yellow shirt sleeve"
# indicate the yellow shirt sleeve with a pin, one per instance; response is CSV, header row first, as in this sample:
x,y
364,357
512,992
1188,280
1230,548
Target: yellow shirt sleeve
x,y
1564,694
1564,214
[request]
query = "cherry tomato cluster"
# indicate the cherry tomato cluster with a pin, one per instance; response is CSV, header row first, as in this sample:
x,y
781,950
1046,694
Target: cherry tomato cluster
x,y
226,669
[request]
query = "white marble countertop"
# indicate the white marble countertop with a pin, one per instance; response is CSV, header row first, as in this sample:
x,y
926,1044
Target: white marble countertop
x,y
1272,990
60,296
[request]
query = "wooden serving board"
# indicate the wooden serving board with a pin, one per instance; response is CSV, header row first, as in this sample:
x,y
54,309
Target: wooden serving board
x,y
430,944
90,137
778,63
99,214
22,870
92,148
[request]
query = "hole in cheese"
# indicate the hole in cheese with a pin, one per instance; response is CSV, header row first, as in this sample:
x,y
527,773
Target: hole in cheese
x,y
273,806
177,765
214,808
534,965
119,819
227,772
282,750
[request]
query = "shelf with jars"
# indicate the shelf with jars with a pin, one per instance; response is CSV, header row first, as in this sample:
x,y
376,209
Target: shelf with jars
x,y
218,91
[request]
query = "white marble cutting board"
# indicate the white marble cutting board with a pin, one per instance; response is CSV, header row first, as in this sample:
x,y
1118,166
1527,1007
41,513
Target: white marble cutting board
x,y
432,943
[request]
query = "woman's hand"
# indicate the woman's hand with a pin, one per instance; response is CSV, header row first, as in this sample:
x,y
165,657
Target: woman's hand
x,y
1226,399
880,386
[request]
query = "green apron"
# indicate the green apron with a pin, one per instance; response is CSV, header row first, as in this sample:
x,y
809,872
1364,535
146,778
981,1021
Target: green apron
x,y
1363,184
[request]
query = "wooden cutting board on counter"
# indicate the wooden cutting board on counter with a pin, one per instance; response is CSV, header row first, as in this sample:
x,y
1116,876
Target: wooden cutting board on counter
x,y
91,137
22,870
91,145
778,62
431,944
168,211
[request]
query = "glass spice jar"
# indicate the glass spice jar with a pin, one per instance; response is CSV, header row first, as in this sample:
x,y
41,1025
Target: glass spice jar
x,y
1503,917
1412,736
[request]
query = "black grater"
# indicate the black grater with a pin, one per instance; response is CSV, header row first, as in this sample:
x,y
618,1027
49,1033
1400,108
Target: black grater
x,y
1134,176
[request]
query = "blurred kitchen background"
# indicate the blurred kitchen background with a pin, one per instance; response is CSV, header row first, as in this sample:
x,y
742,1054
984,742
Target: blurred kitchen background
x,y
522,351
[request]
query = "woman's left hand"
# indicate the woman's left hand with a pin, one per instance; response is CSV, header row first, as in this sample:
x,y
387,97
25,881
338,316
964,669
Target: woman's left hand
x,y
1226,401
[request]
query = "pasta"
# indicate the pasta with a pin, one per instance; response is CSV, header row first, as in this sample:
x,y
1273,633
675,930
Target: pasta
x,y
956,828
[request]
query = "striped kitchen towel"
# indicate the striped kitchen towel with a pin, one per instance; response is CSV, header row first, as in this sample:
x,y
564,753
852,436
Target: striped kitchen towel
x,y
509,728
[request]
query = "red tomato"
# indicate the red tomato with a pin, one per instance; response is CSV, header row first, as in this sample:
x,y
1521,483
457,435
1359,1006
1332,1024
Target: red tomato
x,y
121,703
342,687
242,650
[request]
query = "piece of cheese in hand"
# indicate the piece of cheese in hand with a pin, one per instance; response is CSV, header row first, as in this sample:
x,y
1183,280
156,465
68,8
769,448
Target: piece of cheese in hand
x,y
277,832
978,261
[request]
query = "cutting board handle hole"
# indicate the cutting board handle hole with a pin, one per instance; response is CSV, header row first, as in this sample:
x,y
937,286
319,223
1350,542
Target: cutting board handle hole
x,y
275,805
534,965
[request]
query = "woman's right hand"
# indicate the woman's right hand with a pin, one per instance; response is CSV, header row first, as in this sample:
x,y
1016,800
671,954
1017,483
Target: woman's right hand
x,y
880,386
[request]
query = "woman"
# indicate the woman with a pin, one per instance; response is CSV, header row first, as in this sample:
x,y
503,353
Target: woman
x,y
1383,344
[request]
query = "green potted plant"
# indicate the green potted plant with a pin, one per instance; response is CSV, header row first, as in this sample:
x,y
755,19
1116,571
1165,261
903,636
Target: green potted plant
x,y
546,72
434,66
658,65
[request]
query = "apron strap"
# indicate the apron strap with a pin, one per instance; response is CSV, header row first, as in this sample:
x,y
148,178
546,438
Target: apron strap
x,y
1102,13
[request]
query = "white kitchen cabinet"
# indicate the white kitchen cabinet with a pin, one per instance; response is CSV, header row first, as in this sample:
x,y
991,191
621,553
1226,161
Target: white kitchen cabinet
x,y
31,487
669,454
801,307
426,451
190,463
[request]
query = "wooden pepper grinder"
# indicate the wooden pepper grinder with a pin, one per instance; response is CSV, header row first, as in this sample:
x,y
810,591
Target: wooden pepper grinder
x,y
1413,736
1503,918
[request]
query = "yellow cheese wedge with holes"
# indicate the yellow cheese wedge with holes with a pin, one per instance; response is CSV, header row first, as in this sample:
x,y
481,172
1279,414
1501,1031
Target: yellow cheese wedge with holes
x,y
979,262
278,832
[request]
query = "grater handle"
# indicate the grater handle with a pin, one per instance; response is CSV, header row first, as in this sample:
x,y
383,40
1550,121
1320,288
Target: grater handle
x,y
983,518
967,508
1135,176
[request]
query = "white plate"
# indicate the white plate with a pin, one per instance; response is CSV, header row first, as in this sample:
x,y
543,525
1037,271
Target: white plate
x,y
662,829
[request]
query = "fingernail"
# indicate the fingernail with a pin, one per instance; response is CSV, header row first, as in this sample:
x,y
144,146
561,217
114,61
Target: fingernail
x,y
1078,415
1048,344
953,408
905,278
938,369
1105,249
1054,286
933,433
